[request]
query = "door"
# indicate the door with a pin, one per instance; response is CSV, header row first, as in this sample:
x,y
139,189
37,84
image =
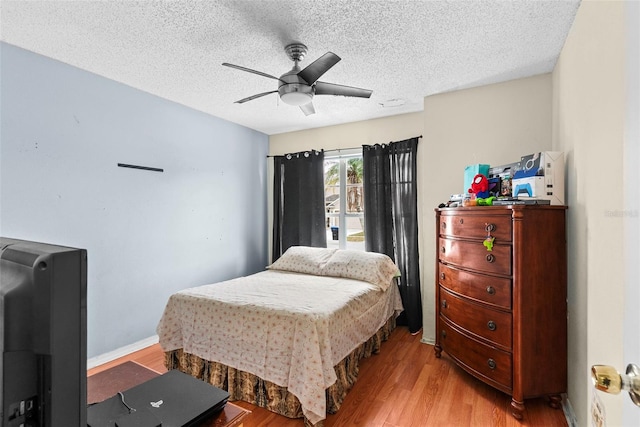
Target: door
x,y
630,412
631,217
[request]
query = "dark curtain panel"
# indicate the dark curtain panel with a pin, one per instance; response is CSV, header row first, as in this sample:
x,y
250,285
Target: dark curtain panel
x,y
391,226
278,166
378,219
404,199
298,217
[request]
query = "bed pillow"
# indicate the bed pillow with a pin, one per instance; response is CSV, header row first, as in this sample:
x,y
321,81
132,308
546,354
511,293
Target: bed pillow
x,y
372,267
303,259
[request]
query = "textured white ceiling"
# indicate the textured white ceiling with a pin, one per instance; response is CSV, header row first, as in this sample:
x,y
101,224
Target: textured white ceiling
x,y
402,50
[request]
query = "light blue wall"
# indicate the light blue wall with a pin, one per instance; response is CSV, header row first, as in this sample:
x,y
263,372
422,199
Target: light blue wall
x,y
147,234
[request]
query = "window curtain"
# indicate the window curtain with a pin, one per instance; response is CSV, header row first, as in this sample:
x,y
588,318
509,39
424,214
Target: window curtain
x,y
378,217
298,201
391,217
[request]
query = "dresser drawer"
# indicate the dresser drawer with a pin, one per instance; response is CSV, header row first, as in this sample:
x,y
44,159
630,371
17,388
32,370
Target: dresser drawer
x,y
488,289
480,359
480,320
475,256
477,226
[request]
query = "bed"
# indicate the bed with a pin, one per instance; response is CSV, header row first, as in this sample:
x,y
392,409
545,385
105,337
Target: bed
x,y
288,338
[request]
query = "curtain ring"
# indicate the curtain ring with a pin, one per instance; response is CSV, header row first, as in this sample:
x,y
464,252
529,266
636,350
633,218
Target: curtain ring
x,y
306,154
288,156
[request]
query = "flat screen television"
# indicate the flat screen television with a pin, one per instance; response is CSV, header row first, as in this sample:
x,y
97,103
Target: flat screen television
x,y
43,330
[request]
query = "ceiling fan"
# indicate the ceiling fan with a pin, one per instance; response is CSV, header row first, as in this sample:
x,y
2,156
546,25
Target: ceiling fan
x,y
298,87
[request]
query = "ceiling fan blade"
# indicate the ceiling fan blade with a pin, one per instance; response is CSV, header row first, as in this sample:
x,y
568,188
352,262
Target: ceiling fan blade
x,y
317,68
308,109
249,70
323,88
249,98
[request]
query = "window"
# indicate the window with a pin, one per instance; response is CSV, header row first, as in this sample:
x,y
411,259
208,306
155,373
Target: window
x,y
344,203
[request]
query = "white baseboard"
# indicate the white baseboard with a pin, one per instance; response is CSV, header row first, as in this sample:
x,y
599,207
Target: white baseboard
x,y
122,351
572,421
428,341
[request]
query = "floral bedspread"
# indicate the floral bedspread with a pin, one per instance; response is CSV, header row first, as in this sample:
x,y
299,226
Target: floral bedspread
x,y
284,327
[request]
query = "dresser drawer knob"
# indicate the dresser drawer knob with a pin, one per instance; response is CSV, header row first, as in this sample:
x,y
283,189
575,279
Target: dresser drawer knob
x,y
443,225
492,364
491,325
489,228
442,249
491,290
444,303
441,276
444,334
461,221
490,258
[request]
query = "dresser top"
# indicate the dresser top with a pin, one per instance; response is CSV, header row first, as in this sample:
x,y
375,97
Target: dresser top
x,y
490,209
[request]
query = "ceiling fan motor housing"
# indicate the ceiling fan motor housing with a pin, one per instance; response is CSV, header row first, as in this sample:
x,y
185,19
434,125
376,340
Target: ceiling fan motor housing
x,y
293,90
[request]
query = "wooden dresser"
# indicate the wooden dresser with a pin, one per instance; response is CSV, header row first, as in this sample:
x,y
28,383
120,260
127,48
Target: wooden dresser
x,y
501,314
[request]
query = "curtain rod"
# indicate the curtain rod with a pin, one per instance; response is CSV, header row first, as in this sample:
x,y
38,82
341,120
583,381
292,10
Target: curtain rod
x,y
341,149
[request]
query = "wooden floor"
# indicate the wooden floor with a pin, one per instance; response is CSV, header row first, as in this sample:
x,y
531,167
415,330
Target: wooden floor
x,y
404,385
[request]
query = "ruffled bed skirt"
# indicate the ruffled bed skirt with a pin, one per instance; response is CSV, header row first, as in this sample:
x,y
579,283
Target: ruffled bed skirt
x,y
265,394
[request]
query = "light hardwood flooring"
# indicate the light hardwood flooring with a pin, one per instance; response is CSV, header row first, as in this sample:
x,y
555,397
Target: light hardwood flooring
x,y
403,386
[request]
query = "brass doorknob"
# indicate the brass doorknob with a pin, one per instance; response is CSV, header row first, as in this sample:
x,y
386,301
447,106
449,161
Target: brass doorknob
x,y
606,378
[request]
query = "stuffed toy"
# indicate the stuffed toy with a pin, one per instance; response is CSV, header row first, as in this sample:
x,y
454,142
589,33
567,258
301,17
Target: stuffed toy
x,y
486,201
480,186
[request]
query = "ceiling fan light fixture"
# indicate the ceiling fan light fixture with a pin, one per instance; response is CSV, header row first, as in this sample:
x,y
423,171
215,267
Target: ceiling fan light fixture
x,y
296,98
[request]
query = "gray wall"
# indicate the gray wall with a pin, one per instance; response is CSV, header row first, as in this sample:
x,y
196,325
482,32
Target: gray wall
x,y
148,234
